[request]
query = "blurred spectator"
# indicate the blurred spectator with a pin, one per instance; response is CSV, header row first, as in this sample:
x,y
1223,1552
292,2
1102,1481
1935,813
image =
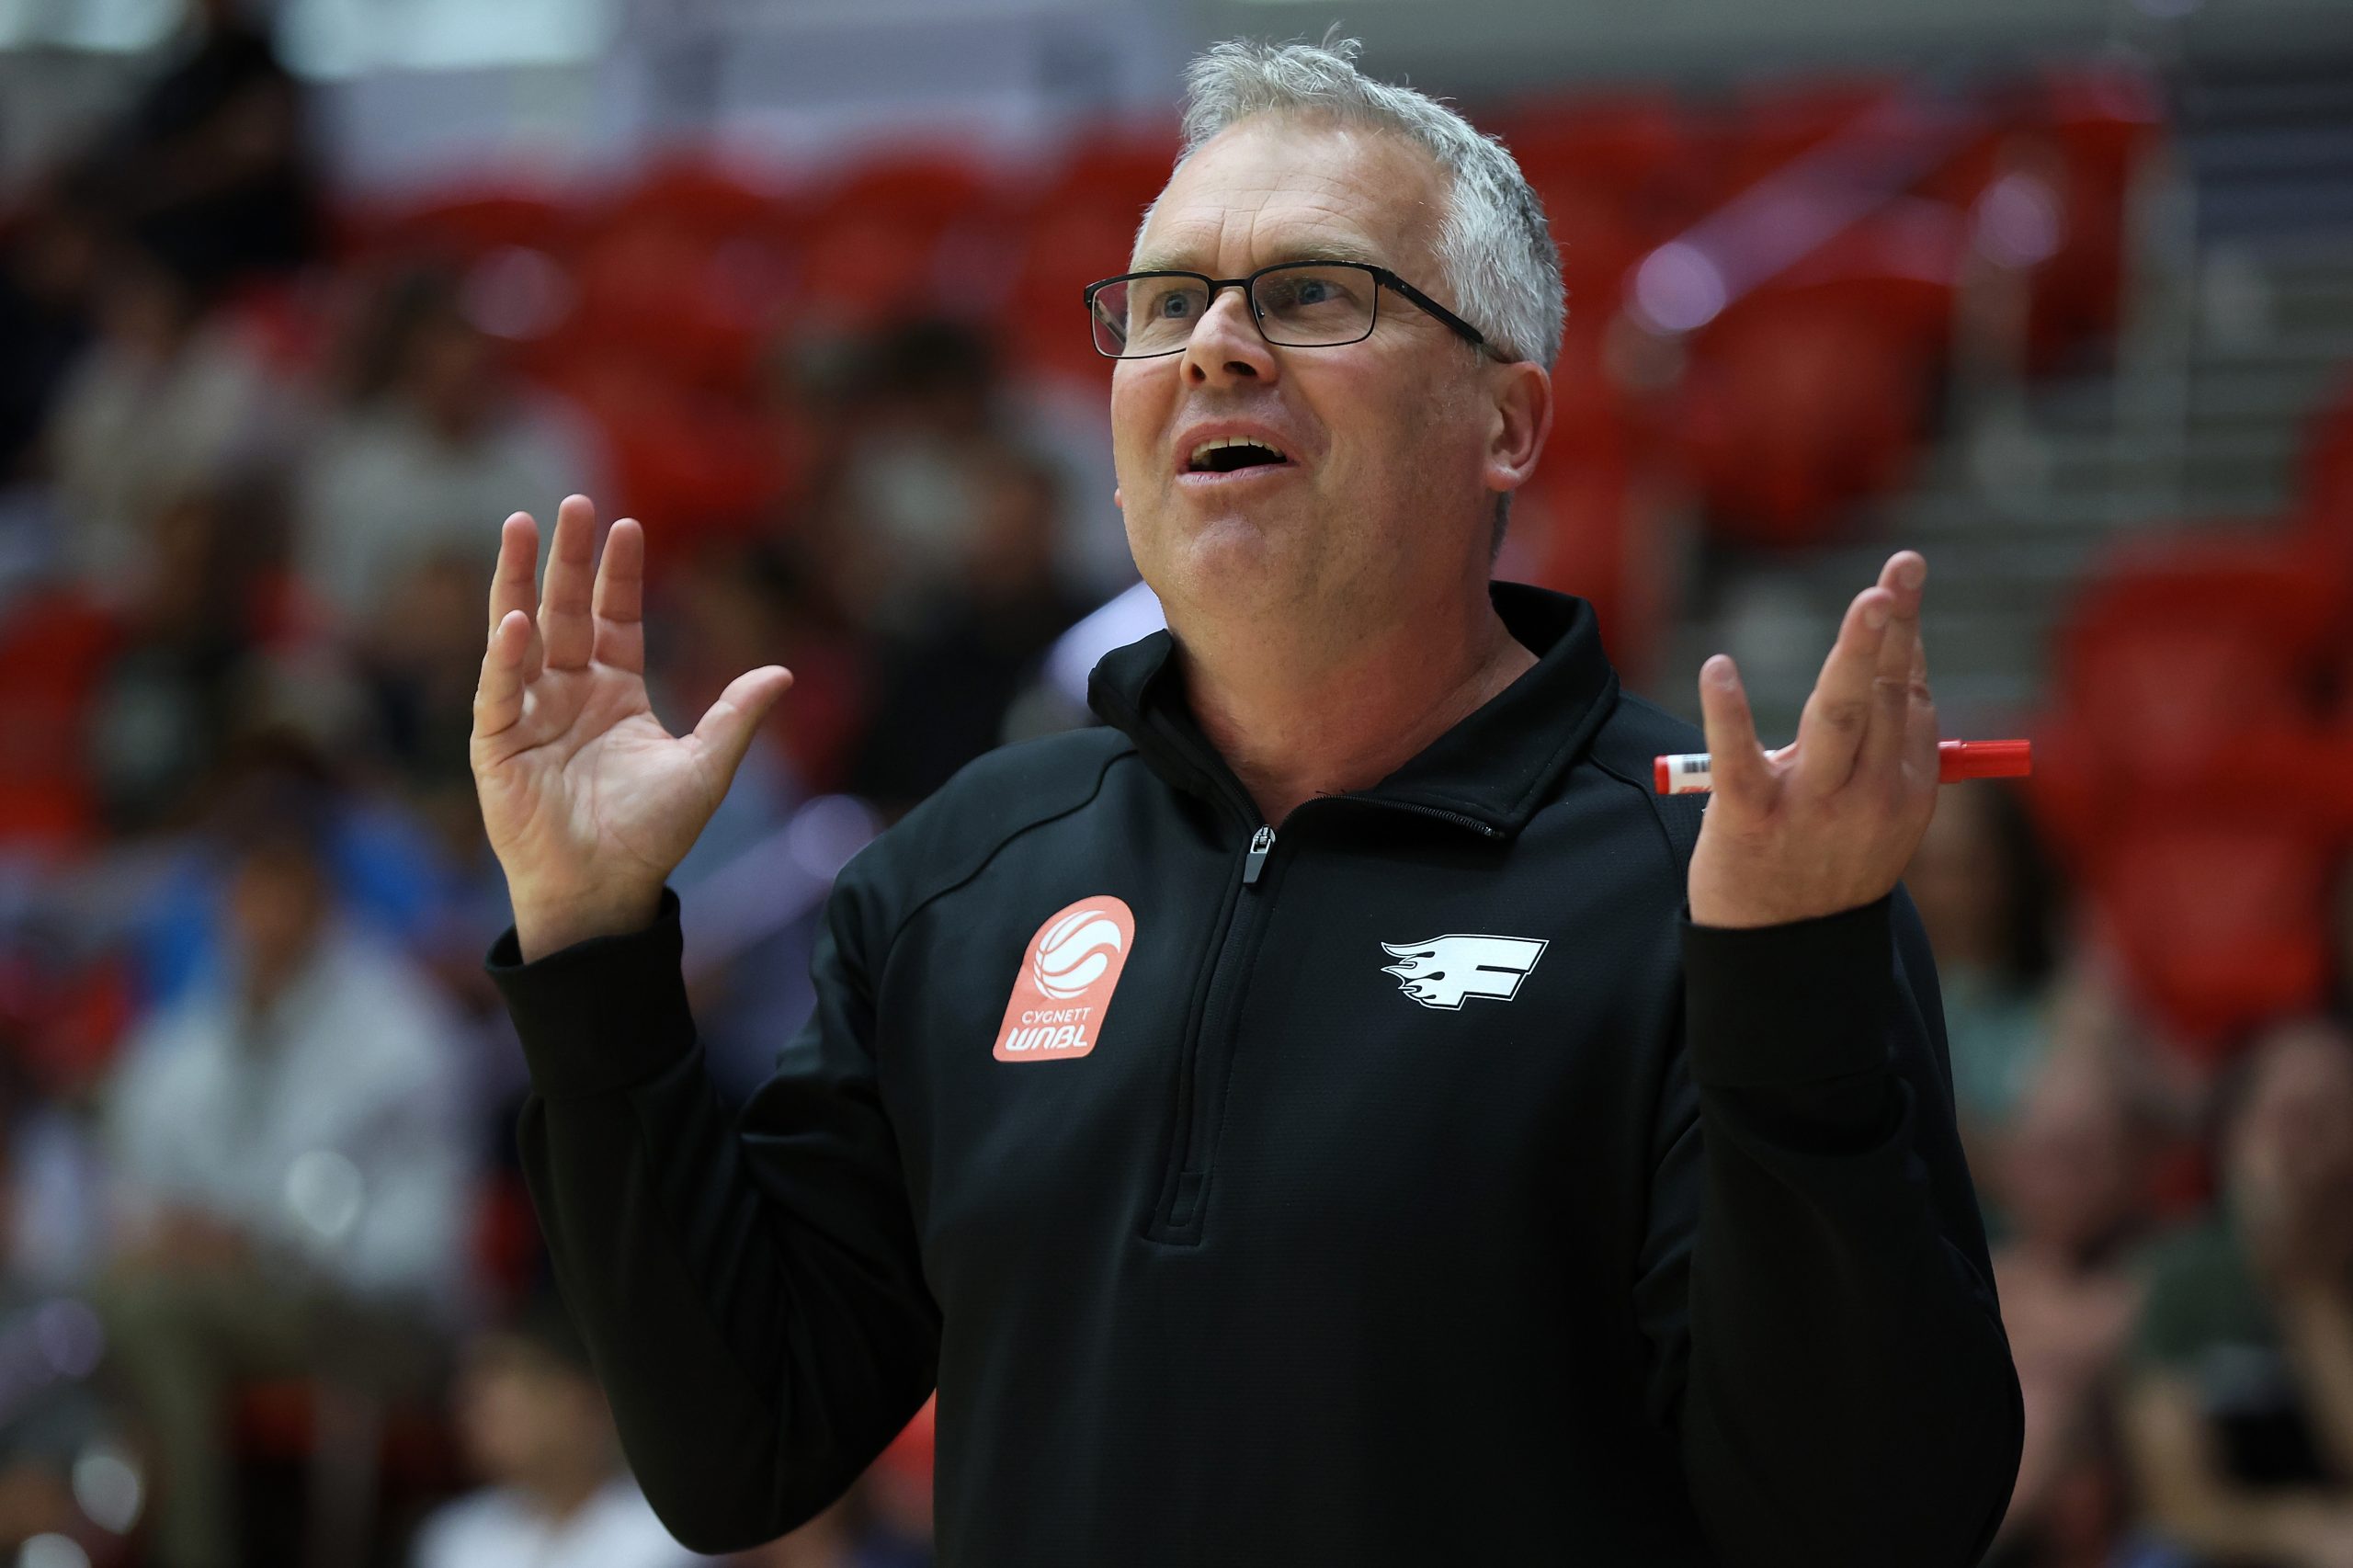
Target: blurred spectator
x,y
210,167
436,448
2071,1180
945,689
45,266
420,665
925,422
168,698
1982,891
294,1162
816,629
2240,1413
534,1425
164,403
421,659
388,872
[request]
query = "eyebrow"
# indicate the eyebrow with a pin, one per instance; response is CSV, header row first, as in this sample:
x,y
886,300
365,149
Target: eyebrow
x,y
1330,250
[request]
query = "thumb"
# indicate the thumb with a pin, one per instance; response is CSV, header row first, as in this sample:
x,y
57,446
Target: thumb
x,y
1735,762
726,732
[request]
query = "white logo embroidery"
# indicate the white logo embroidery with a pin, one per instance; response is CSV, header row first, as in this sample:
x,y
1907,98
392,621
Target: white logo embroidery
x,y
1441,972
1072,956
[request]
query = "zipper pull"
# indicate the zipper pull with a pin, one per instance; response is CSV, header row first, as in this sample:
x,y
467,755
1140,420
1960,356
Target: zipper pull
x,y
1260,842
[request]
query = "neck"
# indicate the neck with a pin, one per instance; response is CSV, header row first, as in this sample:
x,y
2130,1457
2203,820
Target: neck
x,y
1296,717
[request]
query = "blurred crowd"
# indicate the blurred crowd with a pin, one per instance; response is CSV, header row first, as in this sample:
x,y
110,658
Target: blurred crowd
x,y
270,1288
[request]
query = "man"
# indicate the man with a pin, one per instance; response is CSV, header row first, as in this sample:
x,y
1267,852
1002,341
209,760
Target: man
x,y
2238,1403
534,1427
294,1170
1298,1123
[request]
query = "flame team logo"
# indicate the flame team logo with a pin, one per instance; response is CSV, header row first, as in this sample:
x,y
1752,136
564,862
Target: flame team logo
x,y
1441,972
1065,983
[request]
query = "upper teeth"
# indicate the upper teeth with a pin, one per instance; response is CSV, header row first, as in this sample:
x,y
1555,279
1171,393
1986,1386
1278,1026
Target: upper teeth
x,y
1206,448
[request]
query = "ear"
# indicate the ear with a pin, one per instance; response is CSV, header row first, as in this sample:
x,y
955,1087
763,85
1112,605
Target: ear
x,y
1520,419
1117,500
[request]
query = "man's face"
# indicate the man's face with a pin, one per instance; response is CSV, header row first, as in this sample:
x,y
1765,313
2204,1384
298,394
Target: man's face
x,y
1381,495
2294,1135
525,1416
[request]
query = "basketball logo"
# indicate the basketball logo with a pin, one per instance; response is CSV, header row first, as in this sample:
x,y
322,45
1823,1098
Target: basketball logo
x,y
1074,951
1064,985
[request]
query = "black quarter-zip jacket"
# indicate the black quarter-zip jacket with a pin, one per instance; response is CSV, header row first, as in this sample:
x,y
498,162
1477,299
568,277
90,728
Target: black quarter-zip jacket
x,y
1427,1191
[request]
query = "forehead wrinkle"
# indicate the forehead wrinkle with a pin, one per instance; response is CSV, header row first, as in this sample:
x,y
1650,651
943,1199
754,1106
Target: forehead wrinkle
x,y
1276,194
1319,231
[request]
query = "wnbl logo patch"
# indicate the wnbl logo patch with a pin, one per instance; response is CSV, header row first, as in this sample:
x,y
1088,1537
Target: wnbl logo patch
x,y
1068,973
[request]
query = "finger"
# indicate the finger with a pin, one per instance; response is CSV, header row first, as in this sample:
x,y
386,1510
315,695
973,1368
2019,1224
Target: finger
x,y
1737,764
1830,731
727,730
564,625
499,696
1902,662
514,582
1920,719
620,598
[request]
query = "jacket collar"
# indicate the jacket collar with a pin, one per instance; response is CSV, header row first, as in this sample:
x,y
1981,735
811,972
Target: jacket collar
x,y
1491,771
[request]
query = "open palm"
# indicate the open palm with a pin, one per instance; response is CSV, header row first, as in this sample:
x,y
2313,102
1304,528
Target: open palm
x,y
588,802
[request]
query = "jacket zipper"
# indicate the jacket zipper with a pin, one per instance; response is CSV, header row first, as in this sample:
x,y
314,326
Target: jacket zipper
x,y
1207,1051
1254,860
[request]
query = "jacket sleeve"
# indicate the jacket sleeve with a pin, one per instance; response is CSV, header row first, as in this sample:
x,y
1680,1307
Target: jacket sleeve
x,y
748,1284
1814,1282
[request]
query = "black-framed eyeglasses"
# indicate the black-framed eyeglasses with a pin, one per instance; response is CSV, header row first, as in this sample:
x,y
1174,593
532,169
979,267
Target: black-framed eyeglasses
x,y
1296,304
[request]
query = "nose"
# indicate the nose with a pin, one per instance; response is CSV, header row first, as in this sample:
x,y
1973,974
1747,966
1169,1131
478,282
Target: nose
x,y
1225,346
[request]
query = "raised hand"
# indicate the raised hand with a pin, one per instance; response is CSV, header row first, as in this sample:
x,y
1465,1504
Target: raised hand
x,y
588,802
1829,822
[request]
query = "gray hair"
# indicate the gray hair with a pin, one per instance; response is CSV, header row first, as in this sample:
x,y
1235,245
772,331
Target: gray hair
x,y
1495,247
1501,268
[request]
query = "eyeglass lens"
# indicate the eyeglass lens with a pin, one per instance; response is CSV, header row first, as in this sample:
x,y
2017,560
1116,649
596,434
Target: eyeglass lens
x,y
1308,306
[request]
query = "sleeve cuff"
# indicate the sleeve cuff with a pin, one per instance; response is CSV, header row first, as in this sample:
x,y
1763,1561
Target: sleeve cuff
x,y
600,1015
1792,1004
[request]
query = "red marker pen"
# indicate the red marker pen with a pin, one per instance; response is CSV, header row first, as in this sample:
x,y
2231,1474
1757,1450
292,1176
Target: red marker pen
x,y
1686,773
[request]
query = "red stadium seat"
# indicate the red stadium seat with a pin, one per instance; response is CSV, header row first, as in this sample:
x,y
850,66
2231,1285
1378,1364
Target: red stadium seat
x,y
1122,172
1640,146
908,232
695,196
1795,406
912,186
1599,239
460,227
1082,228
1066,249
2107,120
53,650
1769,127
1590,523
2326,502
2189,679
2181,646
685,461
700,311
2220,920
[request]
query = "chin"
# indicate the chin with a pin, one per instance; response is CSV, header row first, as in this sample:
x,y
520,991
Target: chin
x,y
1230,560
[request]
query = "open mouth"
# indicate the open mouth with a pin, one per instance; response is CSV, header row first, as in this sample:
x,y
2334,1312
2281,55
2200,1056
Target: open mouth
x,y
1230,454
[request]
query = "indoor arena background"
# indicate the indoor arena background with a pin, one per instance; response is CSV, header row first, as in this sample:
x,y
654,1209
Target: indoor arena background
x,y
298,300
